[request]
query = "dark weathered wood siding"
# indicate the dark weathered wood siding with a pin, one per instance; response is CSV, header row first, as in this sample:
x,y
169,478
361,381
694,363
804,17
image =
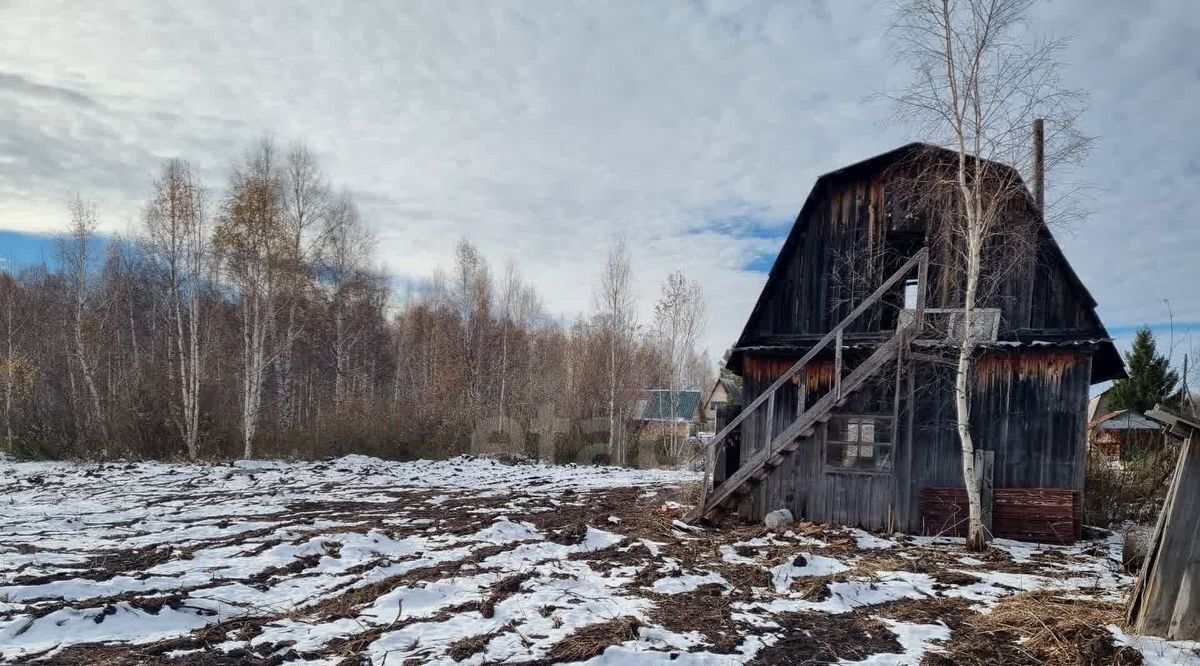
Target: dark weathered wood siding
x,y
1030,398
1028,405
851,235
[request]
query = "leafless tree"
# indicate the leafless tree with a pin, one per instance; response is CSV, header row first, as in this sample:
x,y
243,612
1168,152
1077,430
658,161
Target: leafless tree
x,y
306,227
616,304
176,223
979,79
344,280
74,250
252,239
18,372
472,299
679,320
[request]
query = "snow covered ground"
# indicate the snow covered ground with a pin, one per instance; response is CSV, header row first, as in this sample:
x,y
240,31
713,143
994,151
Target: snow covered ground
x,y
472,561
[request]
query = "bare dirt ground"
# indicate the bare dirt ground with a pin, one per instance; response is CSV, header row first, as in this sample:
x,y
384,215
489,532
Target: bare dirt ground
x,y
470,561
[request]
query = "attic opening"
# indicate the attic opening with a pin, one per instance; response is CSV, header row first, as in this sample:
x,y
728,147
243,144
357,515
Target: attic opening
x,y
900,246
910,294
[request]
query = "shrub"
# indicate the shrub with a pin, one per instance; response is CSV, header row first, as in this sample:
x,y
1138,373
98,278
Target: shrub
x,y
1133,490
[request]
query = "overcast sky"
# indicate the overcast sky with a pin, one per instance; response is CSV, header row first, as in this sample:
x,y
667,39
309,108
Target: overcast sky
x,y
541,129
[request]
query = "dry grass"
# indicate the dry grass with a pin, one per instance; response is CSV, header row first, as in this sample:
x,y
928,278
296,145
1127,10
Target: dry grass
x,y
591,641
1040,628
502,590
465,648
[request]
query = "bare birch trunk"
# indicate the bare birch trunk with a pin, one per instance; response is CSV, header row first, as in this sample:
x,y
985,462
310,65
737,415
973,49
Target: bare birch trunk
x,y
976,535
254,351
89,381
10,362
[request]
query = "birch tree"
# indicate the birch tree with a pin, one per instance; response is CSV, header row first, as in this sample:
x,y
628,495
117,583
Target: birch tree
x,y
616,303
74,251
679,320
979,79
472,296
18,371
344,282
306,202
177,228
251,237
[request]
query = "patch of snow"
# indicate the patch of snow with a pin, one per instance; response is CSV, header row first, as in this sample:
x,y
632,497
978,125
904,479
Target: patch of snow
x,y
652,546
867,541
503,531
599,540
811,565
118,622
914,639
1159,652
307,637
729,554
687,583
854,594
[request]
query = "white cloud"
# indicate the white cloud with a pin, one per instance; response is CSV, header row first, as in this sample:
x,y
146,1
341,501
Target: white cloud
x,y
539,130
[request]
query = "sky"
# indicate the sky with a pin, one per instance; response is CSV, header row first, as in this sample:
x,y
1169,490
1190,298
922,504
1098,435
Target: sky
x,y
541,130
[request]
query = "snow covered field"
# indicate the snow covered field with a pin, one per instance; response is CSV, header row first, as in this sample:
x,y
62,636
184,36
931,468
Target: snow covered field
x,y
472,561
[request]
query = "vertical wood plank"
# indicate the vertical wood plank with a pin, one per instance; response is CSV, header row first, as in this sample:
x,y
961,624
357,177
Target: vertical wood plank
x,y
837,365
769,429
983,476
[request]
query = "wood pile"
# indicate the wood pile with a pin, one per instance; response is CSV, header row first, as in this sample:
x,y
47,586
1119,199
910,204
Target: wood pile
x,y
1048,515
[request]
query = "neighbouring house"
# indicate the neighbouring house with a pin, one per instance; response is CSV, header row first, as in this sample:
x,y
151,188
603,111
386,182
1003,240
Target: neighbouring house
x,y
849,410
1125,433
720,395
1099,405
663,410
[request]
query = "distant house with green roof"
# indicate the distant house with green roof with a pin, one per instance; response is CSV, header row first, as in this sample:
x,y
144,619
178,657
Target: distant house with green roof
x,y
661,410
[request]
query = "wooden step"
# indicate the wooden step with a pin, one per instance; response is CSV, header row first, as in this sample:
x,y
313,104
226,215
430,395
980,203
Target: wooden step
x,y
782,444
764,460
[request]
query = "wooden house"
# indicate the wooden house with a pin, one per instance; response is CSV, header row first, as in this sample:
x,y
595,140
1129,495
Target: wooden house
x,y
1127,434
721,394
664,410
849,412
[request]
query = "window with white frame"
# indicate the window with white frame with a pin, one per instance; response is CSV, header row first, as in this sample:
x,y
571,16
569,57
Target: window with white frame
x,y
859,443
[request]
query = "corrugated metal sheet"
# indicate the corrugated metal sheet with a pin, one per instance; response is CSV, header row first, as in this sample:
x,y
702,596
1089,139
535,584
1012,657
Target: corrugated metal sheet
x,y
1126,419
658,405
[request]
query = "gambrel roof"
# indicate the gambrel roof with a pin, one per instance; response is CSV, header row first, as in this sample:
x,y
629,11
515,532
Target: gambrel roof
x,y
1107,363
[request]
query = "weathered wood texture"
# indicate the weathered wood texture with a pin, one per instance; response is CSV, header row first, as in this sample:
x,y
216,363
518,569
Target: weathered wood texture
x,y
850,239
801,483
854,230
1166,600
1028,408
1029,397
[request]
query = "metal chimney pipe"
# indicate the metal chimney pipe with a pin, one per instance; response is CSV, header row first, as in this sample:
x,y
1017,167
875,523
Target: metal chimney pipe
x,y
1039,165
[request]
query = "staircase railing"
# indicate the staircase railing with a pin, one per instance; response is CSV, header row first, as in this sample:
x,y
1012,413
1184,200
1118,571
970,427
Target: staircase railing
x,y
919,261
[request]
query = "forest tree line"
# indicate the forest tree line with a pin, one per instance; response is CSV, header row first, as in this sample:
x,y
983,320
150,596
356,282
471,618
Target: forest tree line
x,y
254,321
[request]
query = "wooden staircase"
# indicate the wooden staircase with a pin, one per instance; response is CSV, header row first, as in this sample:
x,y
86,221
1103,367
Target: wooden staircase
x,y
777,447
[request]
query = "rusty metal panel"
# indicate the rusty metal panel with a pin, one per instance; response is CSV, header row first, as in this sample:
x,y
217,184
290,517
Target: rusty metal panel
x,y
1047,515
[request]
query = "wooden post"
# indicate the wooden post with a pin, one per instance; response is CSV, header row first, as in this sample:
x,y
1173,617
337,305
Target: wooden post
x,y
770,421
1039,166
922,279
984,461
837,365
